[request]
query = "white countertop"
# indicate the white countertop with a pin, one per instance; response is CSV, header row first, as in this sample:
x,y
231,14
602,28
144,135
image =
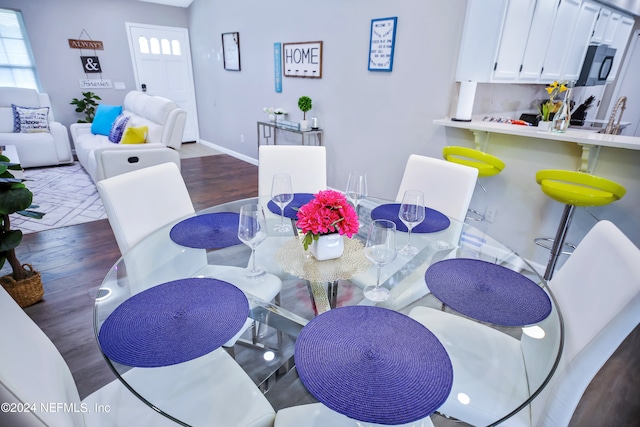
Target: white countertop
x,y
578,136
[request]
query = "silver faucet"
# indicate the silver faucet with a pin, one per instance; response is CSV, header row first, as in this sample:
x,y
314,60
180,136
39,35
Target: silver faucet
x,y
614,129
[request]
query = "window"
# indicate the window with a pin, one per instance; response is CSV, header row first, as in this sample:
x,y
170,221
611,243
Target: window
x,y
156,47
17,67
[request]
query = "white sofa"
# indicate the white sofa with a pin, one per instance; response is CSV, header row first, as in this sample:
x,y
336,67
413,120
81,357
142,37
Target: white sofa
x,y
103,159
38,148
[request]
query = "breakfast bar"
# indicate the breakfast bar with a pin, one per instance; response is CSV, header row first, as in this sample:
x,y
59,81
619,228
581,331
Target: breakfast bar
x,y
590,141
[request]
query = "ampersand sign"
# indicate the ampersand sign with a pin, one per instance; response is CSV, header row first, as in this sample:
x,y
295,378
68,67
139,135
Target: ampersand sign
x,y
91,64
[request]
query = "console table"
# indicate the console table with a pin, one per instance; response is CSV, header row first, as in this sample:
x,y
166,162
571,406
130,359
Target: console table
x,y
267,134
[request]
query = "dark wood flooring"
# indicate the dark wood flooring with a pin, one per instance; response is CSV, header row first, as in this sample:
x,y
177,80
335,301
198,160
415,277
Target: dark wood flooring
x,y
73,261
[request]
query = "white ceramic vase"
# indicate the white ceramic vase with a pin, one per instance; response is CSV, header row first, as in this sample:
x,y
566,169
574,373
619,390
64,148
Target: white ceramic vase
x,y
304,125
328,246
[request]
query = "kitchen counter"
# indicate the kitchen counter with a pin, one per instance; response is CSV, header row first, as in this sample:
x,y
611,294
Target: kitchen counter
x,y
590,140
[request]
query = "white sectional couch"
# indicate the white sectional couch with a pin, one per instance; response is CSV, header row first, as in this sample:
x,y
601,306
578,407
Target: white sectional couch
x,y
35,149
102,158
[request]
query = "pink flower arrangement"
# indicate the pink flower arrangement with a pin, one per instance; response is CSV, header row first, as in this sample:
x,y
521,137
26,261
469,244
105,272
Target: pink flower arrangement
x,y
328,212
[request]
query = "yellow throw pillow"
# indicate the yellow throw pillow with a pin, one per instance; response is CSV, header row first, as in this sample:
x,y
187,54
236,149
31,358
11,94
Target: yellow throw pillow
x,y
135,135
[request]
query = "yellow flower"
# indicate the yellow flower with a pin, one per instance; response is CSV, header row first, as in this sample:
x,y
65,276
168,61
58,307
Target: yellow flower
x,y
551,106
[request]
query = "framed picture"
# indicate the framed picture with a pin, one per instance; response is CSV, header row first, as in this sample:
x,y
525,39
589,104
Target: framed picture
x,y
231,51
302,59
381,44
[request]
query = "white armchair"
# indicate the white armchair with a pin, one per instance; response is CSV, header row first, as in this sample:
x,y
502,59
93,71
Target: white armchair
x,y
38,148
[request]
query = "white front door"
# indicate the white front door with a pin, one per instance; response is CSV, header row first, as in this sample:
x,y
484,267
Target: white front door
x,y
161,58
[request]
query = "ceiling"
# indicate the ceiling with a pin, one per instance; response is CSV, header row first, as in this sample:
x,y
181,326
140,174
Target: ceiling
x,y
179,3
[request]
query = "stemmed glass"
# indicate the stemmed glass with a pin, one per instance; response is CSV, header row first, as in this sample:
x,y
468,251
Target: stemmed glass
x,y
380,249
411,214
282,195
356,189
252,230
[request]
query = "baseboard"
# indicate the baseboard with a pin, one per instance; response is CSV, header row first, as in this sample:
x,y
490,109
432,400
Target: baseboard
x,y
230,152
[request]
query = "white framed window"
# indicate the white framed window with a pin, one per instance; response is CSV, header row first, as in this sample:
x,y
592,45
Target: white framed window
x,y
17,67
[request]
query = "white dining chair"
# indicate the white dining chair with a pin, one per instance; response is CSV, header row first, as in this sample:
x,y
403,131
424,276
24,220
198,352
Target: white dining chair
x,y
212,390
597,292
447,187
142,201
307,166
318,415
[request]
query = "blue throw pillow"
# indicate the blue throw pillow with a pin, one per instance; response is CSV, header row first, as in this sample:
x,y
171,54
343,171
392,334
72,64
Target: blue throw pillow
x,y
115,135
104,118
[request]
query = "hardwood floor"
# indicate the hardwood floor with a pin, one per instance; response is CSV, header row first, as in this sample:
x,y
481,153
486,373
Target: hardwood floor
x,y
73,261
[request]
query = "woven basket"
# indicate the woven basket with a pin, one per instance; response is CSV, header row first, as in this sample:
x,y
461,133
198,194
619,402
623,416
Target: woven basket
x,y
26,292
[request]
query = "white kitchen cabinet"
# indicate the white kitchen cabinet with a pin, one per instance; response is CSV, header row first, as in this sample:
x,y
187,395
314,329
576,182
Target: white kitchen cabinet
x,y
563,25
513,39
602,23
538,40
612,27
480,37
583,29
619,42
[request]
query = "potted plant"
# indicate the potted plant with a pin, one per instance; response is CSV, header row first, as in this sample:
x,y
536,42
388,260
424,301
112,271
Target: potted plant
x,y
324,220
304,104
24,284
548,108
86,105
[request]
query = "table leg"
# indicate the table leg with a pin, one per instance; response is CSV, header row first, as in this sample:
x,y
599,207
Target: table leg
x,y
320,298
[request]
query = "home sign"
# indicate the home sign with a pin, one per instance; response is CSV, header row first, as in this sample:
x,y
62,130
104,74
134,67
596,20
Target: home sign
x,y
302,59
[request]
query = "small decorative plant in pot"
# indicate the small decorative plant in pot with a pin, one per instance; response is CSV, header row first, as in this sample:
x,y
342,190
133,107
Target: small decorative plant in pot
x,y
23,284
304,104
324,221
548,108
86,105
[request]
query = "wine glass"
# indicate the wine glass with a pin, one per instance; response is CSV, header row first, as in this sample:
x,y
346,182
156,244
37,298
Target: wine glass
x,y
411,214
282,195
356,189
252,230
380,249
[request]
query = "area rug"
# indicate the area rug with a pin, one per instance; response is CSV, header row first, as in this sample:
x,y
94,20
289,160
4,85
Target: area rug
x,y
66,194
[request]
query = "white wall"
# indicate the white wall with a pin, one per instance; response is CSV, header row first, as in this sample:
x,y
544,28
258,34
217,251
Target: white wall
x,y
371,120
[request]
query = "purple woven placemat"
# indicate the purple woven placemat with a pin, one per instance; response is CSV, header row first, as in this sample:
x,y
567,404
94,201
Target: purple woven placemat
x,y
173,322
433,220
208,231
373,364
488,292
299,199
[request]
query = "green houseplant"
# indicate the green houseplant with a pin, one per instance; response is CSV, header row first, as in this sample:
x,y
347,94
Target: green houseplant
x,y
24,284
87,105
304,104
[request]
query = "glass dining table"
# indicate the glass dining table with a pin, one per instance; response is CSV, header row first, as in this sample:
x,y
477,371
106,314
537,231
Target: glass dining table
x,y
489,309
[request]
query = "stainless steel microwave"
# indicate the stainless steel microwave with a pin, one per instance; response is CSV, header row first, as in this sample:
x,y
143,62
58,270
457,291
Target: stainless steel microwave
x,y
597,65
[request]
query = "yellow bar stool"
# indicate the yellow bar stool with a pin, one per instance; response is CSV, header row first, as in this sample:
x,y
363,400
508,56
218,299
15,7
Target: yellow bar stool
x,y
574,189
487,165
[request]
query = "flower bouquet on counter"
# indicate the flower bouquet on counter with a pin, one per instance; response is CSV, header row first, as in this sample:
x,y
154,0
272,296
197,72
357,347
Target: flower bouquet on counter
x,y
327,213
550,107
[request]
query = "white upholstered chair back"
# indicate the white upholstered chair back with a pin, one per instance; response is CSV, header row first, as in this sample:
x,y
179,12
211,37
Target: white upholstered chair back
x,y
307,166
598,292
144,200
32,371
447,187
